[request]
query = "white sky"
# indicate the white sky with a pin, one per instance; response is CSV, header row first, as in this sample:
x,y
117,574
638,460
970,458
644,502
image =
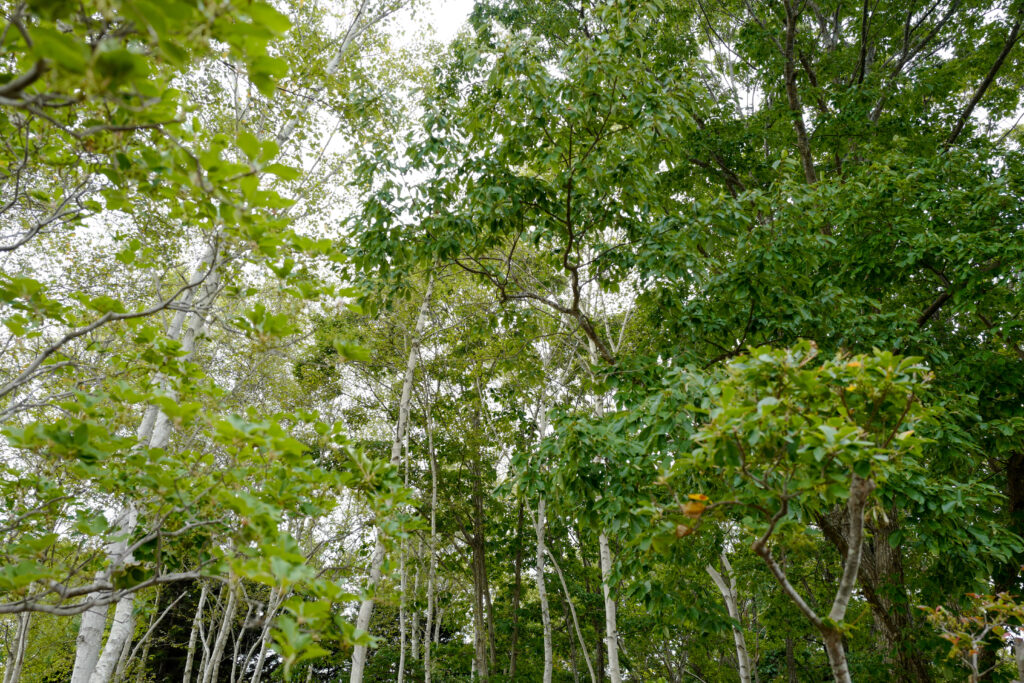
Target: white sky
x,y
443,18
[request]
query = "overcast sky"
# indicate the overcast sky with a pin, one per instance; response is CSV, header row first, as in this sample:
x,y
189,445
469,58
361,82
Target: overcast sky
x,y
444,17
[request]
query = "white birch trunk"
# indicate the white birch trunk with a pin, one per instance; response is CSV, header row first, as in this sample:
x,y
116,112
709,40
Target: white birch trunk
x,y
729,594
545,612
122,660
540,526
92,665
611,633
415,632
122,625
237,646
273,604
401,617
610,620
212,668
88,642
204,637
403,583
428,635
196,622
12,674
377,559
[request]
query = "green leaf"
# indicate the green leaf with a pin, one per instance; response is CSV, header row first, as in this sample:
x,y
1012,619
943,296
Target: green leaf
x,y
65,49
282,171
267,16
249,144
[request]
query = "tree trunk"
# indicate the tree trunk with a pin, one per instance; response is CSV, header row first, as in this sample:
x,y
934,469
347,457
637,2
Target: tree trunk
x,y
274,601
572,646
611,631
88,642
12,674
883,583
402,636
479,621
122,660
517,587
545,613
92,665
205,637
415,646
596,617
575,620
377,558
403,584
860,491
122,625
432,550
480,630
480,540
196,623
728,591
837,657
212,669
236,647
790,661
492,651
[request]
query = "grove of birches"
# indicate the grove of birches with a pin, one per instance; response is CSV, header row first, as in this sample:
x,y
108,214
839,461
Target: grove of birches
x,y
579,341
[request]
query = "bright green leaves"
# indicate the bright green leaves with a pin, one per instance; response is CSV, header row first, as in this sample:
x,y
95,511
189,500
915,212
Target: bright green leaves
x,y
65,49
258,151
783,426
263,14
259,322
17,577
552,153
117,60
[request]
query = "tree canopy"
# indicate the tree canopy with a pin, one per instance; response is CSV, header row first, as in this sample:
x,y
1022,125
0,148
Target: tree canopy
x,y
611,340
